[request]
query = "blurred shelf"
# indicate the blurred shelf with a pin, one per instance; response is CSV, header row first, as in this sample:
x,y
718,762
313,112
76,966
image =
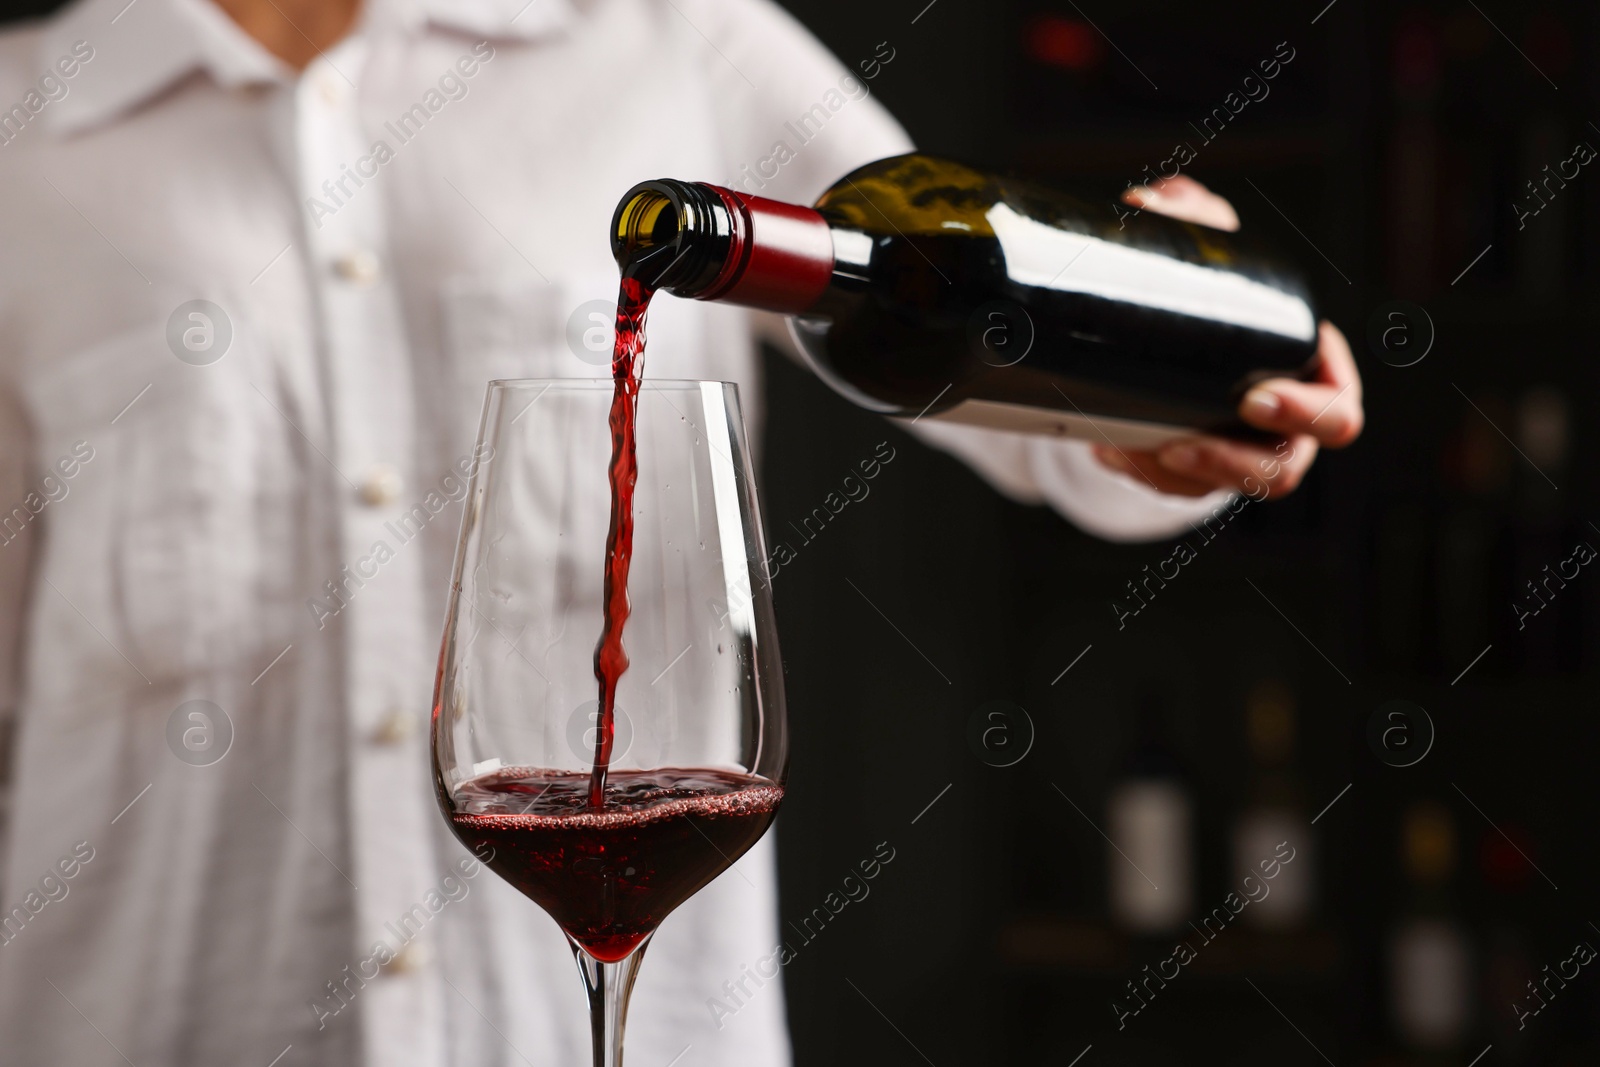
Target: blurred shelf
x,y
1576,307
1054,943
1131,152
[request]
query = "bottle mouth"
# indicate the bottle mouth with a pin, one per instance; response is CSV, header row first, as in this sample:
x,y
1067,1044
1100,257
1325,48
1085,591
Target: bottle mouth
x,y
672,234
648,219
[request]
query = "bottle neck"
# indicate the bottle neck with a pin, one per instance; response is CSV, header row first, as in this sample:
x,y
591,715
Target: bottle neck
x,y
705,242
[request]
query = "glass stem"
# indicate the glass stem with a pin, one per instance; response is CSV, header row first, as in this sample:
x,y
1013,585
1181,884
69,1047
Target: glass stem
x,y
608,986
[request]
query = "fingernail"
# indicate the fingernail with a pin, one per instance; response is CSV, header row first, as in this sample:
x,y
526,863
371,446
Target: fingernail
x,y
1180,457
1261,403
1112,458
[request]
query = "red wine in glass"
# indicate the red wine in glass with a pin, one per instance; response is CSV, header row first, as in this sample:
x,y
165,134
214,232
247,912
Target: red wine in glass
x,y
609,877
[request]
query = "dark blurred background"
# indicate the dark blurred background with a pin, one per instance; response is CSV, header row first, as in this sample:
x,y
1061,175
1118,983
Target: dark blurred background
x,y
1388,155
930,629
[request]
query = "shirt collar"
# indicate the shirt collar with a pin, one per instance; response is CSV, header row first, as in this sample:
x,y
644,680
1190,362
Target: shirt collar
x,y
143,47
524,20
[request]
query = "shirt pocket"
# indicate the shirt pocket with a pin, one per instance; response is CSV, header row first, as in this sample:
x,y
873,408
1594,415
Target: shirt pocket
x,y
158,550
498,327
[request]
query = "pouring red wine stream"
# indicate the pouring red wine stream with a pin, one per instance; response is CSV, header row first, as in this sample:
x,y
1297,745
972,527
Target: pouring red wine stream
x,y
610,658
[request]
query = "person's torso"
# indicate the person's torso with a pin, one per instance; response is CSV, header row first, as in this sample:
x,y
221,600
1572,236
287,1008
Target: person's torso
x,y
257,323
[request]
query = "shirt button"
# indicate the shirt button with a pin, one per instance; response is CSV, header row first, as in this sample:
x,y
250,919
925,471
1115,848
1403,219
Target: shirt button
x,y
358,268
330,88
382,486
408,960
396,727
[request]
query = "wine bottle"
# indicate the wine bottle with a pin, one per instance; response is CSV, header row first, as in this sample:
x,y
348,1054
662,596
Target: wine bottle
x,y
1430,979
1274,814
1510,1007
920,287
1150,828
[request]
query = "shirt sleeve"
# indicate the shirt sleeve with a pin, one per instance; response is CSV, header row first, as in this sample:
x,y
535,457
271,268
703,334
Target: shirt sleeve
x,y
1066,476
16,539
794,119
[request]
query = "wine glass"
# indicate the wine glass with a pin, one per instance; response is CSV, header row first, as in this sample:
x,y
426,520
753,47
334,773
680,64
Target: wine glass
x,y
698,745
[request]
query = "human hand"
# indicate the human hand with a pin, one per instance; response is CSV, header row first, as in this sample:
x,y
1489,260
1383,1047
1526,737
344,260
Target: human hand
x,y
1325,411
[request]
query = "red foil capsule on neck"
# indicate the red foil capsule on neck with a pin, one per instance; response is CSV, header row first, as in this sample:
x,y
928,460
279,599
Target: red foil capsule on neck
x,y
781,258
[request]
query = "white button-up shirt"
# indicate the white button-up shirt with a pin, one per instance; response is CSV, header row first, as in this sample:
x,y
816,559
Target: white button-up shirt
x,y
246,317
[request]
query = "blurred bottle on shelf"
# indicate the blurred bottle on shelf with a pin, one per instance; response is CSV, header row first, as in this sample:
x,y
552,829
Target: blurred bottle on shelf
x,y
1472,199
1544,434
1274,813
1542,206
1508,960
1401,584
1473,561
1413,165
1150,821
1547,181
1544,625
1430,981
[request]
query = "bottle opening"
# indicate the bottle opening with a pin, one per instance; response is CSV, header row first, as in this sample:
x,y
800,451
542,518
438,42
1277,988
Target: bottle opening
x,y
704,242
672,235
647,220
